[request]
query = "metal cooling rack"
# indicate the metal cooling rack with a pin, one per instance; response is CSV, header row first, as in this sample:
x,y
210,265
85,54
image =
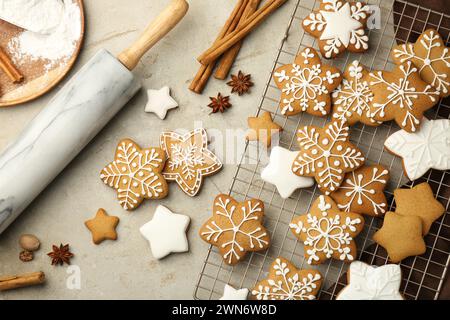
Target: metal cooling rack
x,y
423,276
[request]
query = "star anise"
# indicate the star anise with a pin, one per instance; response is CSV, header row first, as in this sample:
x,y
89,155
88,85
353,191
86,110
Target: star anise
x,y
240,83
220,103
60,255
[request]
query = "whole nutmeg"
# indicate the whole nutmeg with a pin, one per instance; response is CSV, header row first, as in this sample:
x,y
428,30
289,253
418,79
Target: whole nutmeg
x,y
26,256
29,242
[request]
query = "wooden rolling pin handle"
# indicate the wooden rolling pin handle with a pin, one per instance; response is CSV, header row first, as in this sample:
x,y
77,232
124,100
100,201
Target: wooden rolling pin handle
x,y
162,25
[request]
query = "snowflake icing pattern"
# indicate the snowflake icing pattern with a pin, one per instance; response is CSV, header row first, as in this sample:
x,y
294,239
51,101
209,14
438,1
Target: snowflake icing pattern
x,y
135,174
326,154
238,222
285,282
187,158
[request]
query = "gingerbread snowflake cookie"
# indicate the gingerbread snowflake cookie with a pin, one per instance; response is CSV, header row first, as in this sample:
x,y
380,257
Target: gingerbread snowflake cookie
x,y
352,99
327,232
326,154
401,95
306,85
339,25
236,228
362,191
188,159
285,282
136,174
431,56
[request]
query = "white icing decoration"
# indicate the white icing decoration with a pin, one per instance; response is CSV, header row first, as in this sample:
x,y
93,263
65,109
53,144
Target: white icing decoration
x,y
401,95
353,96
363,192
429,41
372,283
226,208
329,176
159,102
166,232
288,287
327,234
230,293
279,173
150,183
429,148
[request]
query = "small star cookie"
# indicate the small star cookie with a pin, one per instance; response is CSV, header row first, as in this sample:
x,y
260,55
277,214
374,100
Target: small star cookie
x,y
419,201
327,232
401,95
136,174
363,191
421,151
401,236
326,154
431,56
230,293
372,283
236,228
306,85
159,102
188,159
352,99
102,227
286,282
262,128
166,232
339,25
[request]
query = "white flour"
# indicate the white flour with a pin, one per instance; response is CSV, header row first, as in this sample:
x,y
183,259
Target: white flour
x,y
55,47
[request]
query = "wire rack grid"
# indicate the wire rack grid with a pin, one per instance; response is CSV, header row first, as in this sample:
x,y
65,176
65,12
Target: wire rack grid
x,y
423,276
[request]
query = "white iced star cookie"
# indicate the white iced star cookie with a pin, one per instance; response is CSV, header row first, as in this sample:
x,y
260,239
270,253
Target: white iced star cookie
x,y
166,232
230,293
159,102
339,25
429,148
279,172
372,283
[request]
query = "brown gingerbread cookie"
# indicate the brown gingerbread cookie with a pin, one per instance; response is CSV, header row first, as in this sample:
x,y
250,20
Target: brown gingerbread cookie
x,y
339,25
236,228
102,227
262,129
286,282
306,85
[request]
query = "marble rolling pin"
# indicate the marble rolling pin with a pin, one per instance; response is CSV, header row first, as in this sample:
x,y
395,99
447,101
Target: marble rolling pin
x,y
74,116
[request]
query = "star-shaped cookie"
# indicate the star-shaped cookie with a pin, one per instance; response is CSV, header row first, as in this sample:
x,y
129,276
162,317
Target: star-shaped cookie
x,y
419,201
327,232
401,95
421,151
352,99
236,228
188,159
306,85
372,283
159,102
326,154
166,232
401,236
136,174
230,293
286,282
431,56
102,227
339,25
279,172
363,191
262,128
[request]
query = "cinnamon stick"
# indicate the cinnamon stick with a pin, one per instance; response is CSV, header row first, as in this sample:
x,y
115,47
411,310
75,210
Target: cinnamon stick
x,y
7,66
241,32
227,60
205,71
20,281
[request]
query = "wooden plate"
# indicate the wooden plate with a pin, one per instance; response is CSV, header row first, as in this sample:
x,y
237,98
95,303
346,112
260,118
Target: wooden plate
x,y
37,80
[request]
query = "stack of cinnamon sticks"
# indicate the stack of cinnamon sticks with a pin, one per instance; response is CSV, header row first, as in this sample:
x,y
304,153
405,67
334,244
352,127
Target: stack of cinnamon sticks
x,y
244,18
